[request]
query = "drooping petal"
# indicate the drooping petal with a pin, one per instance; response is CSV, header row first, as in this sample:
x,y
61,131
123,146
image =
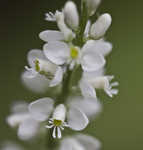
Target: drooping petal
x,y
28,129
87,89
77,120
38,84
88,142
57,52
33,55
69,143
92,61
51,35
90,106
57,78
41,109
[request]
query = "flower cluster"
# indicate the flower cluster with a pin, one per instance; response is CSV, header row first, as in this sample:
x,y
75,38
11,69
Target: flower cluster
x,y
72,63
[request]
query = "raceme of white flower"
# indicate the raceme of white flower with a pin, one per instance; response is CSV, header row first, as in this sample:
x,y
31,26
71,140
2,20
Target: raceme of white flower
x,y
41,111
71,65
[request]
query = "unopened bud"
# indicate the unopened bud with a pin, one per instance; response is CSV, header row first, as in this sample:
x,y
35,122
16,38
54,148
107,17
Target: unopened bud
x,y
99,28
71,15
92,6
68,34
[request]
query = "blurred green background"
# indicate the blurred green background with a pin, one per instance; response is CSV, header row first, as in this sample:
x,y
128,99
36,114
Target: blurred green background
x,y
120,125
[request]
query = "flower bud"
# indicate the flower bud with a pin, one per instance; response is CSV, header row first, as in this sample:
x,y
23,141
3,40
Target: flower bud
x,y
68,34
71,15
92,6
99,28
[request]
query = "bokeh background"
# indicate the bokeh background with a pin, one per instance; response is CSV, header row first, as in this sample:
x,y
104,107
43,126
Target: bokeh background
x,y
120,125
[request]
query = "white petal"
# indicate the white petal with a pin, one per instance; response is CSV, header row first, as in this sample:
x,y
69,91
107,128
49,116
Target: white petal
x,y
33,55
100,46
88,142
92,6
59,113
99,28
71,144
87,89
57,78
71,15
15,119
28,129
41,109
92,61
54,133
90,106
77,120
87,28
51,35
57,52
38,84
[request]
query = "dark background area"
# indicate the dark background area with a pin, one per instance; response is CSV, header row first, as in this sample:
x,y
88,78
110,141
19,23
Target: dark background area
x,y
120,126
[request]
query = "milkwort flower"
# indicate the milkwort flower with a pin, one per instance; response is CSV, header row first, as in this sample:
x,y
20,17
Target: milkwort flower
x,y
42,72
58,117
97,80
21,118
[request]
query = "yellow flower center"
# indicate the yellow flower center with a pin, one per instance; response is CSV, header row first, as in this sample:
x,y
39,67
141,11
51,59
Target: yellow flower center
x,y
57,122
37,67
74,52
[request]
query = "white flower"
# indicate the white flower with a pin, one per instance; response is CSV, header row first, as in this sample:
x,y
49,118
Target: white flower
x,y
92,81
61,53
41,66
80,142
42,109
67,32
92,6
99,28
99,46
10,146
21,118
71,15
90,106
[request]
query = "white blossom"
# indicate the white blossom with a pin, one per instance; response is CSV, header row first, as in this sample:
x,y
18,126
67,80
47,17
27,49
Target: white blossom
x,y
92,81
21,118
67,32
61,53
42,73
42,110
90,106
80,142
99,28
92,6
71,15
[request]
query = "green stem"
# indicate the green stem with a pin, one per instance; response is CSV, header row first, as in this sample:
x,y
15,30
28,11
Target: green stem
x,y
84,17
65,87
51,143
